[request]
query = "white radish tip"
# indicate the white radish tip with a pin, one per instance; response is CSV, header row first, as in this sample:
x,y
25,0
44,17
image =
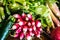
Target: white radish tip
x,y
21,23
30,29
19,20
33,23
38,35
29,24
34,28
14,27
24,30
31,33
29,38
26,18
23,15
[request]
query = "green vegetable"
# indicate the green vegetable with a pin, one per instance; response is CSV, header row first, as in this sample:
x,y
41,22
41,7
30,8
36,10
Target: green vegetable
x,y
1,2
2,15
5,31
14,6
44,16
21,1
4,2
7,10
0,19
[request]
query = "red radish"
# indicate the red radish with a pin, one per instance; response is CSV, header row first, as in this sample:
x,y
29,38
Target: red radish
x,y
34,28
55,34
31,33
28,37
38,35
29,16
18,20
16,35
35,32
21,23
18,31
30,29
25,28
26,18
21,36
23,15
20,27
38,23
29,24
15,26
39,29
17,16
33,23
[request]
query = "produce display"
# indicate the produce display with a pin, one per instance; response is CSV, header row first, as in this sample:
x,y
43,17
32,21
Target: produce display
x,y
29,20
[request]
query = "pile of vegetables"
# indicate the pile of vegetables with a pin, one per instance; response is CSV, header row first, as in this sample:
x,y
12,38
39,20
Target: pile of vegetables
x,y
26,27
29,15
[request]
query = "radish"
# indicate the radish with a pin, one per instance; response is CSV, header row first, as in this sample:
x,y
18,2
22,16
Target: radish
x,y
39,29
20,27
18,31
28,37
18,20
21,36
29,16
25,28
38,35
55,34
27,19
23,15
30,29
38,23
15,26
31,33
35,32
34,28
29,24
21,23
17,16
33,23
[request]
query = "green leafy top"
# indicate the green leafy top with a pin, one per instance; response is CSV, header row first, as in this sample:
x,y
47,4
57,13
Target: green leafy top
x,y
44,14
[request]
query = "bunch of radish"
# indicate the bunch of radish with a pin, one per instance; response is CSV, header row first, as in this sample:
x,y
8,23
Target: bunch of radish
x,y
26,27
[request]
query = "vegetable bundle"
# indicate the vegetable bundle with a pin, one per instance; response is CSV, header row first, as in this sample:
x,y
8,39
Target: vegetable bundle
x,y
26,27
46,12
